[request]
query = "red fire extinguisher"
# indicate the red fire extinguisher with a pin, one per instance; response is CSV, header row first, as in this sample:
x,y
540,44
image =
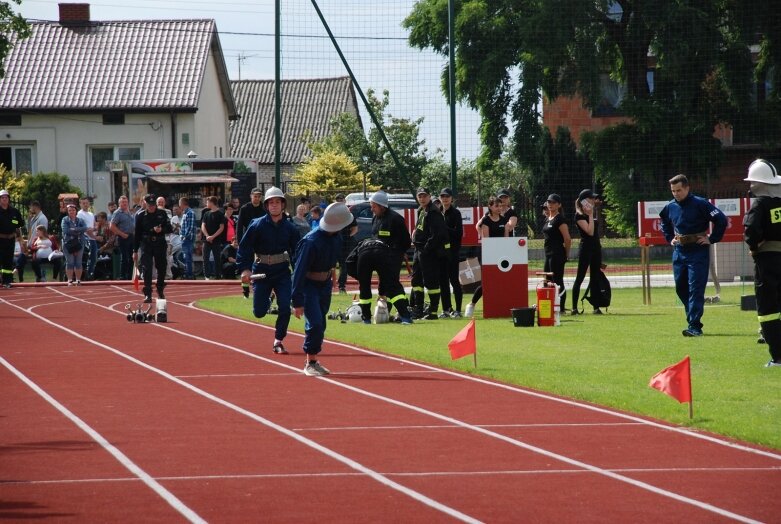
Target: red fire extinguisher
x,y
546,303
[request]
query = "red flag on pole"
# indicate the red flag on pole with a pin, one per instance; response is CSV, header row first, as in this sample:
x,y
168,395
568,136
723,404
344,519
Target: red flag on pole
x,y
135,279
675,381
464,343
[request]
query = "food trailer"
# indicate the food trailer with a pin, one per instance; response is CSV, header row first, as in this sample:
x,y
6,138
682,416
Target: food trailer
x,y
194,178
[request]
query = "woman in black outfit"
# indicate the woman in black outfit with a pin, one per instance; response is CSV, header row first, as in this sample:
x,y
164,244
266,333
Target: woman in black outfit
x,y
590,253
490,226
557,244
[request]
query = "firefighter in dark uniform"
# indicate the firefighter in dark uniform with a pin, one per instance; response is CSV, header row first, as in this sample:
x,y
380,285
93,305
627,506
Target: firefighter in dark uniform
x,y
455,229
152,225
383,253
684,223
11,222
430,239
762,231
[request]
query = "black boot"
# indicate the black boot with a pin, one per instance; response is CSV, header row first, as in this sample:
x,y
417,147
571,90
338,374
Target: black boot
x,y
772,332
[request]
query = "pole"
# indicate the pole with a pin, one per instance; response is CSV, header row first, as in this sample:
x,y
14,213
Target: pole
x,y
452,94
277,97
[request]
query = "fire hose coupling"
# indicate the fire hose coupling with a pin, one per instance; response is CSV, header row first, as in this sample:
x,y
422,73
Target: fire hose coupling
x,y
139,316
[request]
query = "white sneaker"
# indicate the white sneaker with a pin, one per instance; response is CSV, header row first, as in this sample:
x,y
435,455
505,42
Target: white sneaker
x,y
313,368
470,310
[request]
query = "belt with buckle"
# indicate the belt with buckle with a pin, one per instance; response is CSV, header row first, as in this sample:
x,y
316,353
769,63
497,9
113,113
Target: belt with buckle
x,y
318,276
270,260
8,235
690,239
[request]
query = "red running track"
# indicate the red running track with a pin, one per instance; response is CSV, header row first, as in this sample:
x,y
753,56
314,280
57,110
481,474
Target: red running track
x,y
197,420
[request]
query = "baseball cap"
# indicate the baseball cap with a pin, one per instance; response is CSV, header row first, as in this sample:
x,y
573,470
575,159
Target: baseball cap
x,y
503,193
423,190
150,199
256,190
4,193
553,197
446,192
587,193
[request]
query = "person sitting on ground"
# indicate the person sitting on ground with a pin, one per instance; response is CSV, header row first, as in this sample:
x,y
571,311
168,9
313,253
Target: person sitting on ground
x,y
228,259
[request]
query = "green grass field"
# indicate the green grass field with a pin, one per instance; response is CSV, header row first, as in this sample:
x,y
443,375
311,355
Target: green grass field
x,y
607,360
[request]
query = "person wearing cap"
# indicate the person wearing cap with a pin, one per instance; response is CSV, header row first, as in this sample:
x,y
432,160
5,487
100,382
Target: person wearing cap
x,y
430,239
762,233
316,256
152,225
383,253
348,244
509,215
557,244
267,247
449,272
250,211
11,223
590,250
684,223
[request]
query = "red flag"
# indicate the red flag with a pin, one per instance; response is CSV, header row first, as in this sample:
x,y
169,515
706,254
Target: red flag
x,y
675,381
135,279
464,342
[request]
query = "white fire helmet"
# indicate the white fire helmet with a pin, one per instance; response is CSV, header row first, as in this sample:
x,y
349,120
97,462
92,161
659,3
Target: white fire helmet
x,y
764,172
336,217
274,192
354,313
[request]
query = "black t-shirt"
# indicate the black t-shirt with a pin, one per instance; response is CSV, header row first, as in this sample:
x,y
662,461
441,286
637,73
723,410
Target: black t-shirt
x,y
212,220
495,229
10,220
248,213
554,240
507,216
585,238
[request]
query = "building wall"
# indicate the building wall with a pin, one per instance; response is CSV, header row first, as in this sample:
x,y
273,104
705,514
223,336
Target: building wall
x,y
569,112
210,125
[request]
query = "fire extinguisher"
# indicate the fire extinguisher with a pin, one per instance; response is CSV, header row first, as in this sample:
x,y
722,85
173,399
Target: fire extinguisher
x,y
547,302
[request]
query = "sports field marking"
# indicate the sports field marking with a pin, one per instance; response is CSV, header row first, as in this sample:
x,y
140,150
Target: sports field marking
x,y
438,474
535,449
415,495
509,387
450,426
123,459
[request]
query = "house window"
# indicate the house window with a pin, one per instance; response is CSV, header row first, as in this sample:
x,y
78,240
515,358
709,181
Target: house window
x,y
10,120
113,119
613,94
17,158
99,155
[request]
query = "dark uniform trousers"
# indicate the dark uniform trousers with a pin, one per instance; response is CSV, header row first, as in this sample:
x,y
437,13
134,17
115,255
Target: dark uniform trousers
x,y
426,273
375,255
154,251
7,259
767,286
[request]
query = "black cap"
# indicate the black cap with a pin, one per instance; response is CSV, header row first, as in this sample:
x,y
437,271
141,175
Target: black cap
x,y
339,196
256,190
553,197
446,192
150,199
587,193
422,190
503,193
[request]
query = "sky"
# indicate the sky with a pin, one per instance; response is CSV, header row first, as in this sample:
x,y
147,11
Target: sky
x,y
369,32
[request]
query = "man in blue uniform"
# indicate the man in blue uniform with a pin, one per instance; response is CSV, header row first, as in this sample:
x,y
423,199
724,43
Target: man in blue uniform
x,y
267,247
762,232
316,256
685,221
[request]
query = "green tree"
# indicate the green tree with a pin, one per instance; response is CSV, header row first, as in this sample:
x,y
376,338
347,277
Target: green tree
x,y
369,151
13,27
45,188
328,171
13,182
510,53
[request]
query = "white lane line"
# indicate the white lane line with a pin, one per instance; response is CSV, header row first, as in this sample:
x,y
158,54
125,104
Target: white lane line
x,y
515,389
415,495
449,426
456,422
123,459
232,375
439,474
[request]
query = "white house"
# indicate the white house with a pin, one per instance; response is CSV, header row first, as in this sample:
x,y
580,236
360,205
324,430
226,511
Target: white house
x,y
79,92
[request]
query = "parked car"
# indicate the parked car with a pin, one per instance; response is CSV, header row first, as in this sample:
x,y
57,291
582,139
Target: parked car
x,y
363,215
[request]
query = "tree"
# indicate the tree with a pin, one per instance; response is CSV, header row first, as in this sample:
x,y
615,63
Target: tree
x,y
510,53
13,182
328,171
369,152
13,27
45,188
